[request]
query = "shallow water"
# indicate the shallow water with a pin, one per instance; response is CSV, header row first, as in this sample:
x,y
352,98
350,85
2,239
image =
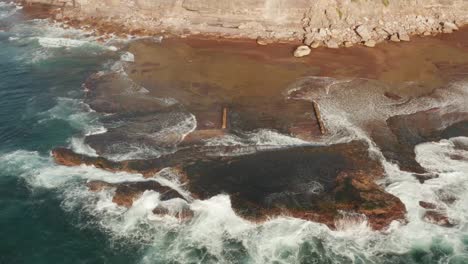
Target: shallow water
x,y
47,215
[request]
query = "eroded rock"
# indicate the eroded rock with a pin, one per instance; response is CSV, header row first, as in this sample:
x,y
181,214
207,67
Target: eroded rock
x,y
126,193
183,214
438,218
311,182
427,205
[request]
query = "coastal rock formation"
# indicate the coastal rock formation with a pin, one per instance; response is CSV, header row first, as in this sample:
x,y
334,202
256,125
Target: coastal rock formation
x,y
438,218
67,157
127,192
313,182
323,20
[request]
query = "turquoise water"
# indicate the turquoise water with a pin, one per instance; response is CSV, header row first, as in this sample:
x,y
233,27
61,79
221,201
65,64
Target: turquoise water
x,y
48,216
39,94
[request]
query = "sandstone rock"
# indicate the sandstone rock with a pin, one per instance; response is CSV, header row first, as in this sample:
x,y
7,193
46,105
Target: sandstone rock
x,y
248,18
395,38
447,30
427,205
313,183
332,44
302,51
364,32
183,214
438,218
322,33
67,157
262,41
340,177
450,25
309,39
404,36
315,44
370,43
413,129
347,44
127,192
97,186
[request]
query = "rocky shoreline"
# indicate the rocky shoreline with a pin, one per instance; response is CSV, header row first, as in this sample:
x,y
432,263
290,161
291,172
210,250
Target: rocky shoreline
x,y
316,23
321,183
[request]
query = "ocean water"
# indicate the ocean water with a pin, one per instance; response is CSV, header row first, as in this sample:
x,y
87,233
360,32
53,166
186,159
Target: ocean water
x,y
40,91
47,215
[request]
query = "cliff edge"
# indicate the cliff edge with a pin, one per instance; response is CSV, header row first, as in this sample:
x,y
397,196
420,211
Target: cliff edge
x,y
331,23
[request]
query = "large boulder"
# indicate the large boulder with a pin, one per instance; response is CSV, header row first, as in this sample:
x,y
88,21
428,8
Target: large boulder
x,y
302,51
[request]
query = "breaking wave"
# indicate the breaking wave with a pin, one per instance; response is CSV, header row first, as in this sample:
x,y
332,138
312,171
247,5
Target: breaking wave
x,y
217,235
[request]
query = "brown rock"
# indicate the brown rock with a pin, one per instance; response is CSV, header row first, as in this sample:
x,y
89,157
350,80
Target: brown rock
x,y
427,205
438,218
392,96
128,192
97,186
67,157
263,41
184,214
314,183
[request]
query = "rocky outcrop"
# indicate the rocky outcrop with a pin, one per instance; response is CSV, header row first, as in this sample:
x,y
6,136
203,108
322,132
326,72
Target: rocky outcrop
x,y
430,125
318,22
67,157
126,193
313,183
438,218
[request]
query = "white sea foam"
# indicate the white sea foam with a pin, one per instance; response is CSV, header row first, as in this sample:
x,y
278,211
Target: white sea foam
x,y
79,146
127,57
76,113
49,42
8,9
261,139
215,226
43,40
